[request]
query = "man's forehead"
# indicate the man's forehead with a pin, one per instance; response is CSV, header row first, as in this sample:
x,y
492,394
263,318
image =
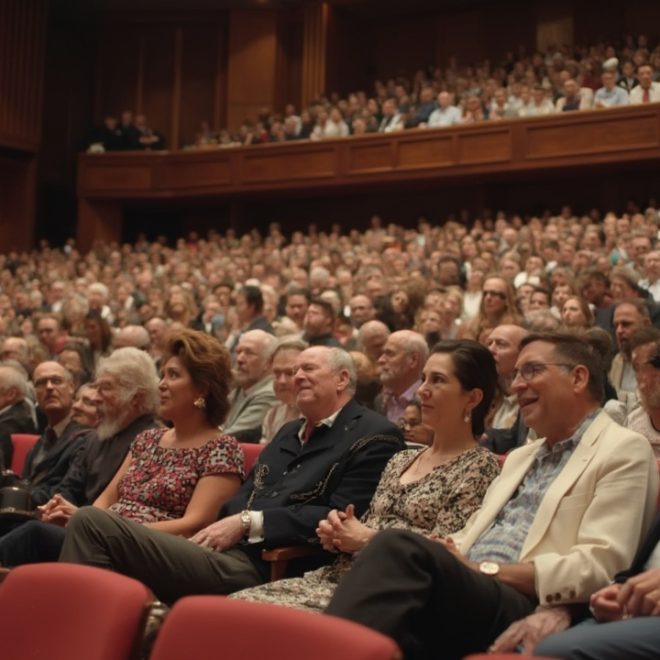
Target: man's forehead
x,y
49,369
315,355
626,313
251,344
107,379
536,350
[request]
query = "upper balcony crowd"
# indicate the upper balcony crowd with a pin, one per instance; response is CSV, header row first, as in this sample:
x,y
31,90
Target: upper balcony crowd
x,y
563,79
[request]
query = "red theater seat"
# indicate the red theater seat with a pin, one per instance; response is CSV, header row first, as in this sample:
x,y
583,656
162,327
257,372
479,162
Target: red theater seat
x,y
66,611
22,442
202,627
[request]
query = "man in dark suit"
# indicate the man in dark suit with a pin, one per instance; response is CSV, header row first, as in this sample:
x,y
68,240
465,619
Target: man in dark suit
x,y
331,458
50,458
15,413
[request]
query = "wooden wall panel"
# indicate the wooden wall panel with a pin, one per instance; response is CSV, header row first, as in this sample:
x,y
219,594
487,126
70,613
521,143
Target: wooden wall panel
x,y
17,202
23,26
608,135
198,71
289,165
434,148
118,70
251,64
158,78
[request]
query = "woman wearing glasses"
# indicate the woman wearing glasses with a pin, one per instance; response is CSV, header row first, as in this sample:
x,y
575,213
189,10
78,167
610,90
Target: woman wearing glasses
x,y
431,491
498,306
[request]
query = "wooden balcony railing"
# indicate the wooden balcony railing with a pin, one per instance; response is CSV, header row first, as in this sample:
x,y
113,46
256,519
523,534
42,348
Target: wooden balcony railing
x,y
579,139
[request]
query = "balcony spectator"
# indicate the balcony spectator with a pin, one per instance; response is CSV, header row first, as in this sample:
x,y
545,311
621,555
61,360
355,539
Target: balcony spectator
x,y
627,79
609,95
445,114
647,91
392,119
537,103
425,107
474,111
107,137
330,125
575,97
500,108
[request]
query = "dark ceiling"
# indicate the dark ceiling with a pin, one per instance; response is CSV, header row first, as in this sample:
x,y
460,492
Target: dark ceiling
x,y
359,6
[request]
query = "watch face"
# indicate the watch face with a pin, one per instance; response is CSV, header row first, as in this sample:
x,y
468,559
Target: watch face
x,y
489,568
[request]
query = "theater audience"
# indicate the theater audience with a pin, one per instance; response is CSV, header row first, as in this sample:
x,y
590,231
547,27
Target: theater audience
x,y
576,314
400,369
48,461
415,432
432,491
341,449
16,415
169,479
253,395
629,316
523,85
520,549
284,356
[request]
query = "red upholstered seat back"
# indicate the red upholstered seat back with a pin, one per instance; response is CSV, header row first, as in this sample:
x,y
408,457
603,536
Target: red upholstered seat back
x,y
22,442
66,611
251,452
202,627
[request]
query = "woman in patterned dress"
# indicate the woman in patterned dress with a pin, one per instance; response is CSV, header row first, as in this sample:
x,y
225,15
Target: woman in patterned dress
x,y
432,491
175,479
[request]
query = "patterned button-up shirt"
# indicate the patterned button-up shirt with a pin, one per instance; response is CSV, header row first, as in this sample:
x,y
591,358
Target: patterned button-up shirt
x,y
504,539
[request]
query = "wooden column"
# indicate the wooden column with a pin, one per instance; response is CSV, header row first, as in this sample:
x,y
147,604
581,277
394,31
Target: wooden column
x,y
315,51
251,64
555,24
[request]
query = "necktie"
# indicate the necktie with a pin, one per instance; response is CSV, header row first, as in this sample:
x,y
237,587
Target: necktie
x,y
646,96
309,431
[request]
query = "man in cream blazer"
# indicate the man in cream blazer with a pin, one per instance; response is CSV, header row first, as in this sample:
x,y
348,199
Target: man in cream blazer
x,y
565,515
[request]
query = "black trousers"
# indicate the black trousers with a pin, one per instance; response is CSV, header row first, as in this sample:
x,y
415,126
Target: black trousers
x,y
418,593
32,542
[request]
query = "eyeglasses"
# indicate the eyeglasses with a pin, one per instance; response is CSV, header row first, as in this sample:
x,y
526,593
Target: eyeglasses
x,y
407,425
494,294
530,370
56,381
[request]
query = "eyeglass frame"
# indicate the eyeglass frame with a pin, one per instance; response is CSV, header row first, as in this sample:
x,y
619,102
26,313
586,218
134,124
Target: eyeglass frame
x,y
536,369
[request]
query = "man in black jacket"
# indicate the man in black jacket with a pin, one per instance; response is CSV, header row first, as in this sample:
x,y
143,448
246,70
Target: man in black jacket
x,y
331,458
50,458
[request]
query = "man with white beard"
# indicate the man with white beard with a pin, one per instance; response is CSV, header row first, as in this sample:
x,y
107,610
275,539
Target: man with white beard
x,y
127,399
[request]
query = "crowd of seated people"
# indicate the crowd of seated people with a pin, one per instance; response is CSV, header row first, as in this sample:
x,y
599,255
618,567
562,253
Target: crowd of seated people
x,y
332,327
128,132
560,80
